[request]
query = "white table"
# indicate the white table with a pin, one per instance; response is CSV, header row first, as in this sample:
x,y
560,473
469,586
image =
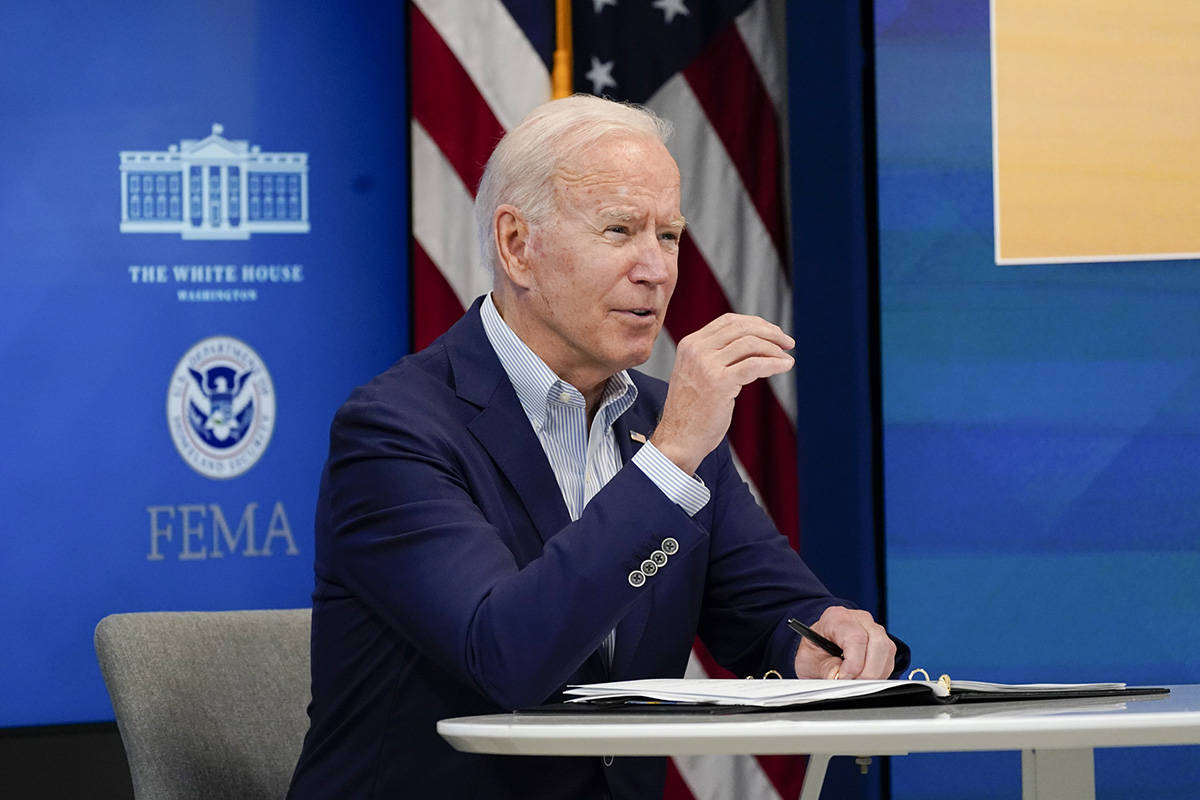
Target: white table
x,y
1055,737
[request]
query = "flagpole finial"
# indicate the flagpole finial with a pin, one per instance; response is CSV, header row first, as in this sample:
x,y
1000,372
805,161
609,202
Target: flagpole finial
x,y
560,77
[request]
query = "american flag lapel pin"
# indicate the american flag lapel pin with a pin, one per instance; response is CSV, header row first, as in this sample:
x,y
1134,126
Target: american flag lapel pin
x,y
640,438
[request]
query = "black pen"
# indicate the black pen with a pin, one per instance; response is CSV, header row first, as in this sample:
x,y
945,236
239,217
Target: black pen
x,y
816,638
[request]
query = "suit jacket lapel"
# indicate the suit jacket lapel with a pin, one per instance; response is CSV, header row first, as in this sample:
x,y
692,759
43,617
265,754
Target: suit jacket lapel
x,y
501,426
504,431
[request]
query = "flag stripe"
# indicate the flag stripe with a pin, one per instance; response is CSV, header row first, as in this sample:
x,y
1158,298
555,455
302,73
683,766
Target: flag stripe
x,y
715,777
675,786
760,432
716,202
766,444
538,27
440,306
494,51
764,30
785,774
439,195
746,265
727,85
451,108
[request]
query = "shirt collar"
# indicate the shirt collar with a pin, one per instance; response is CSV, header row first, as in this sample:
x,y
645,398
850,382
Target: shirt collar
x,y
537,385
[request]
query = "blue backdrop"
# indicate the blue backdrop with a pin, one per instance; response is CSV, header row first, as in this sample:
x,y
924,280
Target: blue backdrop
x,y
1042,457
102,511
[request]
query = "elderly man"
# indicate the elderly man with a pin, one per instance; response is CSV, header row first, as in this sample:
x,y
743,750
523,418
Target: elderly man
x,y
513,509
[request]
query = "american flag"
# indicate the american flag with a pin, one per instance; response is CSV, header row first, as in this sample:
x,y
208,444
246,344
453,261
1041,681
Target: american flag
x,y
715,68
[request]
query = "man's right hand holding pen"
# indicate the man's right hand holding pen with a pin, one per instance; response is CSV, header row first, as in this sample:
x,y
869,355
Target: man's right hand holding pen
x,y
866,650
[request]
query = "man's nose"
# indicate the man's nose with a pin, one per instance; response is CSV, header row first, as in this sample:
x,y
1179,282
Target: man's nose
x,y
653,263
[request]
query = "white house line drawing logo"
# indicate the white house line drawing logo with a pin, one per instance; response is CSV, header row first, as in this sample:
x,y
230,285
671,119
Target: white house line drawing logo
x,y
213,188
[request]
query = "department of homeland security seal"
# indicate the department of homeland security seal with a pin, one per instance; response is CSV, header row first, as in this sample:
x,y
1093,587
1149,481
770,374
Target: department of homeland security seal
x,y
221,407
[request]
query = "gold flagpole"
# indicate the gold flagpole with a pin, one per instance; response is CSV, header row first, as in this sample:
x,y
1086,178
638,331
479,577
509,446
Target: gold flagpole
x,y
560,79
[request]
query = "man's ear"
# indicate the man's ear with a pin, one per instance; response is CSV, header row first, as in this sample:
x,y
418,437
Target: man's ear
x,y
511,232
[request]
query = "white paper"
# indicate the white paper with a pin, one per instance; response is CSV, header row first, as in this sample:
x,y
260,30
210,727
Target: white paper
x,y
772,693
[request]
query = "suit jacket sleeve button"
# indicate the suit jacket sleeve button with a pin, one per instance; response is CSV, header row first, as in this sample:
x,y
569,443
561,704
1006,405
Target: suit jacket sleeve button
x,y
658,557
649,567
637,578
670,546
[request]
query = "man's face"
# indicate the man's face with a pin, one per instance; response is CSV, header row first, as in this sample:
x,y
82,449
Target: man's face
x,y
605,264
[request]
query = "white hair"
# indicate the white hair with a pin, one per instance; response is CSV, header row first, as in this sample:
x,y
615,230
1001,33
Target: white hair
x,y
520,171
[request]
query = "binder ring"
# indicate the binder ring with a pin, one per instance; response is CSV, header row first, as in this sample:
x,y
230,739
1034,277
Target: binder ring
x,y
771,673
923,672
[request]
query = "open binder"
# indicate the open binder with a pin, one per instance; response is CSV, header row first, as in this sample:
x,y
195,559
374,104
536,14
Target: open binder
x,y
716,695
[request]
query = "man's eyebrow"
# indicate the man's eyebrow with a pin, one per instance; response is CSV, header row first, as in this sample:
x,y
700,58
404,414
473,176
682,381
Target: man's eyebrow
x,y
622,215
617,214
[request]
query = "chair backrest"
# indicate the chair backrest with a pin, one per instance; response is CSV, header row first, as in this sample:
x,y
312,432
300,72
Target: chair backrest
x,y
209,704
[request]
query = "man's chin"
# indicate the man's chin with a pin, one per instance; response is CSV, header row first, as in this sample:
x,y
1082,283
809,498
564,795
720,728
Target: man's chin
x,y
641,356
634,351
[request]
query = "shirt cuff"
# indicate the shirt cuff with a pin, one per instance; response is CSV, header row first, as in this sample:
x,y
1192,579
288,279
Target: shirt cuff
x,y
686,491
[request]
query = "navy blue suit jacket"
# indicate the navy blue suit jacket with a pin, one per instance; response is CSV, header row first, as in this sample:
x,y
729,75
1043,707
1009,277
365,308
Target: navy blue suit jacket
x,y
450,581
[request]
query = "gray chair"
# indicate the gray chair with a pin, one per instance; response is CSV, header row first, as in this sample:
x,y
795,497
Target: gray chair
x,y
209,704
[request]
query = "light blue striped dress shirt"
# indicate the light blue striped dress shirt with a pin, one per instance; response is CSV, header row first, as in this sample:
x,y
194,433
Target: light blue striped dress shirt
x,y
583,461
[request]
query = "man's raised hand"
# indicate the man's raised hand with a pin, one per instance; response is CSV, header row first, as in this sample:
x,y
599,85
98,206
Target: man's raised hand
x,y
711,367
